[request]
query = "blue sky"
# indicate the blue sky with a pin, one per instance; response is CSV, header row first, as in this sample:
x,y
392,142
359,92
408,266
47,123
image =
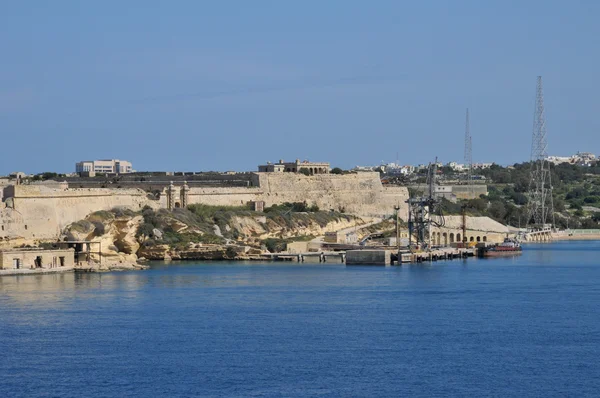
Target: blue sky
x,y
226,85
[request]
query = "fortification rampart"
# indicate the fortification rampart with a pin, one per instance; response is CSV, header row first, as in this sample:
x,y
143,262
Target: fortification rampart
x,y
42,212
360,193
225,196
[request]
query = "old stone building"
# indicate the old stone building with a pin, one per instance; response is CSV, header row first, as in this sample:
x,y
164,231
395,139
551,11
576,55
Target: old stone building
x,y
36,258
295,167
478,230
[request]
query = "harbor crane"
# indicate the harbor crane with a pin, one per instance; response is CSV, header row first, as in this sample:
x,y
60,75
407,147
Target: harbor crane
x,y
424,213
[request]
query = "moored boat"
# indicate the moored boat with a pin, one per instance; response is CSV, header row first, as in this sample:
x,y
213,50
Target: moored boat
x,y
509,247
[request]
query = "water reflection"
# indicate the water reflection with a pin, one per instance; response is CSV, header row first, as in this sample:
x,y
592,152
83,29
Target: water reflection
x,y
44,290
62,290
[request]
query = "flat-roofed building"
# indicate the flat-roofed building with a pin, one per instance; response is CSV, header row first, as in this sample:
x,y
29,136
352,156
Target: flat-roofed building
x,y
295,167
107,166
37,258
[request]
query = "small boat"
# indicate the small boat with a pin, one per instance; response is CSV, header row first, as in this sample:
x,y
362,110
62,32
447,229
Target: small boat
x,y
509,247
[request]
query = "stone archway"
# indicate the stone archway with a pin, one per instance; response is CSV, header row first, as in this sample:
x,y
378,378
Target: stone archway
x,y
458,238
471,239
177,205
451,237
485,238
445,237
479,239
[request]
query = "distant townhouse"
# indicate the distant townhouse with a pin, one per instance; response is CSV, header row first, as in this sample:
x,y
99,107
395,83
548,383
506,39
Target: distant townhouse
x,y
407,169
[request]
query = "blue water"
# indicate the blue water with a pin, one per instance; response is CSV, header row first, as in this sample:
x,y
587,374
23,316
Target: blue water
x,y
512,327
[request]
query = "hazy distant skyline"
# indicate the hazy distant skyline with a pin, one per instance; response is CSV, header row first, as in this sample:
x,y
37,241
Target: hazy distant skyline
x,y
190,86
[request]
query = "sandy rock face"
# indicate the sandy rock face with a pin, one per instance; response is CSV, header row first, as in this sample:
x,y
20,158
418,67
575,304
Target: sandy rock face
x,y
242,235
125,239
82,230
248,226
155,252
114,237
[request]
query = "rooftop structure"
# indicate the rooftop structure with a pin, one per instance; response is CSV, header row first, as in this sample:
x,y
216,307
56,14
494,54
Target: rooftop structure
x,y
108,166
295,167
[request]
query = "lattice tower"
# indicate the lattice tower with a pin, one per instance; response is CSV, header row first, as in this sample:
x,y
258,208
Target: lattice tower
x,y
540,208
468,152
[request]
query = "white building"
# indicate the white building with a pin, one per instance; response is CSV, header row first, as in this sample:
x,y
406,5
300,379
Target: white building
x,y
559,159
407,169
364,168
456,166
580,158
482,165
114,166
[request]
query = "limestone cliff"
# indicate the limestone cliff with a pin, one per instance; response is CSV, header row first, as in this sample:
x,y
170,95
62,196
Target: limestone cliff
x,y
114,233
201,232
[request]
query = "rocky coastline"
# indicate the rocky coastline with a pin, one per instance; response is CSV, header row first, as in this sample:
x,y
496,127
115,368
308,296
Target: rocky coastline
x,y
128,240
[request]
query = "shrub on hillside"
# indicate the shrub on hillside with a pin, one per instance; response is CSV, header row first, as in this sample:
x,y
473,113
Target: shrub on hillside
x,y
99,228
122,212
81,226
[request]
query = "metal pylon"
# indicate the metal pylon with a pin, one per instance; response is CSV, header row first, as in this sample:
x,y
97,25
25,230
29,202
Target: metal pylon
x,y
468,152
540,207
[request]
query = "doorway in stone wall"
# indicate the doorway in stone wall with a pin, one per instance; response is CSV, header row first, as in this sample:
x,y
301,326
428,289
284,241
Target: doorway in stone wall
x,y
38,262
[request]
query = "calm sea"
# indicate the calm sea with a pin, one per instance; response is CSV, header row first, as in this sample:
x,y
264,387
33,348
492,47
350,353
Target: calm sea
x,y
517,327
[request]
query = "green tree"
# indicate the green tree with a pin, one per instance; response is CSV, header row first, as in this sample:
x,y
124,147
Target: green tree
x,y
337,170
497,210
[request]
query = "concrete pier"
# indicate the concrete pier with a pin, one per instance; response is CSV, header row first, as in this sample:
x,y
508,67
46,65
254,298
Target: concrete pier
x,y
437,254
373,256
368,257
323,257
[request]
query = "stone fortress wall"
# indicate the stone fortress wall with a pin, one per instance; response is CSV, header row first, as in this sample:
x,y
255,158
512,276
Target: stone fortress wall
x,y
360,193
42,212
